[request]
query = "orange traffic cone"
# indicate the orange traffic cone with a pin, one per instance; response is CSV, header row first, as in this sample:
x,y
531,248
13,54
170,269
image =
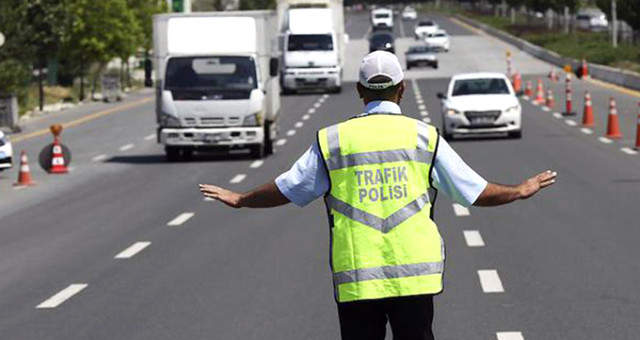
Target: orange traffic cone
x,y
568,98
57,161
551,102
517,83
539,93
24,176
587,117
585,68
613,125
638,130
528,90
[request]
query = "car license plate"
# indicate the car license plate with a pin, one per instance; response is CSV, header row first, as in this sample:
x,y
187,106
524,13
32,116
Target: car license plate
x,y
482,121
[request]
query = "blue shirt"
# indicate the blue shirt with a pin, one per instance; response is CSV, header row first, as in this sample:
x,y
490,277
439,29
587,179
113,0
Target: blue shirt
x,y
307,179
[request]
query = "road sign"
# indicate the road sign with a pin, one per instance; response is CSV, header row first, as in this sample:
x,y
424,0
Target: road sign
x,y
1,39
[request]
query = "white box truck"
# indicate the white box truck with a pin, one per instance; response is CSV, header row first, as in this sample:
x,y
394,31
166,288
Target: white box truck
x,y
313,44
217,84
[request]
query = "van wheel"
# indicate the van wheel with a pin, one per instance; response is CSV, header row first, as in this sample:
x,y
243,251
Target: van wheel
x,y
257,151
172,154
268,141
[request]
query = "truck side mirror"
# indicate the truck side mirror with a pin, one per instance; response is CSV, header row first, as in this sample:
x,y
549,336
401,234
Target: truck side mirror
x,y
148,67
273,67
440,95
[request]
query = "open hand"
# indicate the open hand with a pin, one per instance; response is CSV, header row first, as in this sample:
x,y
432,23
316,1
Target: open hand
x,y
531,186
225,196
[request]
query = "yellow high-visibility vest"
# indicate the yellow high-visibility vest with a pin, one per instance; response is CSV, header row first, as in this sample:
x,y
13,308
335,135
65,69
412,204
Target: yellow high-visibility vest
x,y
384,242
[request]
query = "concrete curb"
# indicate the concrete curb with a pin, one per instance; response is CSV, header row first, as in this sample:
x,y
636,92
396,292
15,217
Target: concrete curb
x,y
608,74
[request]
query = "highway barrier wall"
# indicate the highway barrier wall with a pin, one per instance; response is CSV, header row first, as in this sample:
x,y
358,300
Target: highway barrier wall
x,y
609,74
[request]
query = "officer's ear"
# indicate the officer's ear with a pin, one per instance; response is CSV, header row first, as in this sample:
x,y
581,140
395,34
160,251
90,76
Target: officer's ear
x,y
360,89
400,91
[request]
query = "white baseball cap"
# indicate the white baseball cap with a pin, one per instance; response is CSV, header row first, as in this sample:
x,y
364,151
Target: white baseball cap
x,y
380,63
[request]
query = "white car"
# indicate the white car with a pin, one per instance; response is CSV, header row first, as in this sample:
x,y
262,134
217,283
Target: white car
x,y
382,18
409,13
480,103
6,152
438,40
425,27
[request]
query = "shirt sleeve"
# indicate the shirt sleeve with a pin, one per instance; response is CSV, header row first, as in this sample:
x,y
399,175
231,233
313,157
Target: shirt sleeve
x,y
453,176
306,180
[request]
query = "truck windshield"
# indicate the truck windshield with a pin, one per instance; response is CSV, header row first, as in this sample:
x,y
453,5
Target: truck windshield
x,y
211,74
465,87
310,42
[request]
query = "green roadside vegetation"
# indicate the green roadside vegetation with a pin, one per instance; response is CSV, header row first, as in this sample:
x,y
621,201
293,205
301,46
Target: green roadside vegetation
x,y
594,46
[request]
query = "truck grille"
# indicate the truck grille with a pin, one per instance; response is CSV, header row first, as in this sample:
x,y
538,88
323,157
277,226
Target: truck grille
x,y
211,121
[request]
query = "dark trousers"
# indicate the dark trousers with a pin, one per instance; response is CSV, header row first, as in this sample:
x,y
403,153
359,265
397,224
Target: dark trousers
x,y
410,318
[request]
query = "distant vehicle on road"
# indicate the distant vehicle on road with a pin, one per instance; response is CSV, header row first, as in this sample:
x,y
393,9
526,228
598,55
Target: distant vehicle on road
x,y
425,27
592,20
382,18
409,13
6,152
438,40
382,41
421,55
480,103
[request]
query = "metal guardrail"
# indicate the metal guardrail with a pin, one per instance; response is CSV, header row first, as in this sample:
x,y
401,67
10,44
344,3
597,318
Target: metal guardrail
x,y
613,75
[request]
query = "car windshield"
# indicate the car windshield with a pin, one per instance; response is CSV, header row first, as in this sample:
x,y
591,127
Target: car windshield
x,y
425,23
381,15
465,87
310,42
211,73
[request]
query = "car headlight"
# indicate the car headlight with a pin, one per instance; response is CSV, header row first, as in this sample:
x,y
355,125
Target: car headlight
x,y
513,109
167,120
253,119
452,112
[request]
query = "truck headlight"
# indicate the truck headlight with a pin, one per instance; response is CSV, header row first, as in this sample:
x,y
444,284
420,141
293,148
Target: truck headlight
x,y
167,120
452,112
253,119
513,109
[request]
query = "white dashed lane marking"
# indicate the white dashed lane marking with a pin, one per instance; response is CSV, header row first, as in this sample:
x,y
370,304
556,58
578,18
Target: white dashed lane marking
x,y
426,120
317,105
605,140
545,109
586,131
306,117
256,164
571,122
473,238
557,115
299,125
291,132
99,158
509,336
460,210
126,147
62,296
490,281
629,151
281,142
181,219
238,178
419,101
422,107
150,137
311,111
424,113
132,250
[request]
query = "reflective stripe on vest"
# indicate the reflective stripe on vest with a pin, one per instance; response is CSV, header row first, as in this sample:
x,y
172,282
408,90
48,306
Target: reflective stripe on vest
x,y
380,185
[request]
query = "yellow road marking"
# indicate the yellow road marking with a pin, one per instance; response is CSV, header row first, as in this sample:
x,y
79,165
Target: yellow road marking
x,y
83,120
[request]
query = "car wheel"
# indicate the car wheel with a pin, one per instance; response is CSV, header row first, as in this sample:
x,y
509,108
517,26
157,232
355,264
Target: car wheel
x,y
516,134
435,66
408,67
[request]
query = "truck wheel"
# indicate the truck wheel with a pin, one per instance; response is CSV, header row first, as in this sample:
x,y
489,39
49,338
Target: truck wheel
x,y
172,154
257,151
268,141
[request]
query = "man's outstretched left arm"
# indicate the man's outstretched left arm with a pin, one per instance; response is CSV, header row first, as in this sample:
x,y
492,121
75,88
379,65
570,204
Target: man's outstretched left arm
x,y
498,194
265,196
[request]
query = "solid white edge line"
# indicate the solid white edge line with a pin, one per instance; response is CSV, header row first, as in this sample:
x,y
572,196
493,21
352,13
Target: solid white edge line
x,y
62,296
557,115
180,219
459,210
132,250
509,336
628,151
586,131
311,111
238,178
281,142
605,140
256,164
426,120
299,125
291,132
490,281
99,158
570,122
306,117
473,238
126,147
150,137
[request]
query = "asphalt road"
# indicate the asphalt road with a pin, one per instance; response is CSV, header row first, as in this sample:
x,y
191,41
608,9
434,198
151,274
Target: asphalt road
x,y
566,260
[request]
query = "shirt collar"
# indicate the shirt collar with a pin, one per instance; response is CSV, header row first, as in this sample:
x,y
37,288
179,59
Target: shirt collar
x,y
382,106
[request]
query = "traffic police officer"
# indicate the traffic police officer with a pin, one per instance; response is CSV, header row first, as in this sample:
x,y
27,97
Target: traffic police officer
x,y
379,173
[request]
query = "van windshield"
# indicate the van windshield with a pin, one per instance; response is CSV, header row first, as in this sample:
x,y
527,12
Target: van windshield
x,y
465,87
211,73
382,15
310,42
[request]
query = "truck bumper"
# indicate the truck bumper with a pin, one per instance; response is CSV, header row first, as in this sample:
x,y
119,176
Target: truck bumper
x,y
212,137
299,79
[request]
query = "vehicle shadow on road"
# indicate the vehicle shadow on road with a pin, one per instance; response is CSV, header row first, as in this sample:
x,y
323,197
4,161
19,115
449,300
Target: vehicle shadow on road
x,y
491,138
196,158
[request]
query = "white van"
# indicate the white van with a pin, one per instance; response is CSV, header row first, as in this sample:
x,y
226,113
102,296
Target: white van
x,y
382,18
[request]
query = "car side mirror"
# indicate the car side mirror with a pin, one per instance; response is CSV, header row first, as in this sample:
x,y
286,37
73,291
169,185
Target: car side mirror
x,y
273,67
440,95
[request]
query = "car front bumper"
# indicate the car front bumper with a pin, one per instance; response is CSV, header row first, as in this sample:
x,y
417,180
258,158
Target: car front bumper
x,y
459,124
311,78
